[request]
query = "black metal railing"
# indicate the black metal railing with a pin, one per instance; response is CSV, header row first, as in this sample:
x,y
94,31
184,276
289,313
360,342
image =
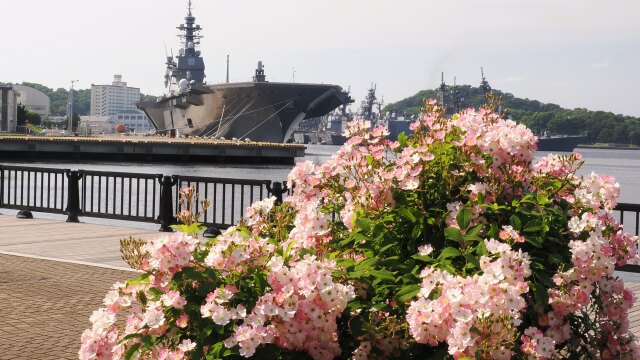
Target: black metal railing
x,y
33,188
629,216
122,196
128,196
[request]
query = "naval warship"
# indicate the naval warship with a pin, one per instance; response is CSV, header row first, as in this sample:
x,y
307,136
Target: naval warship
x,y
258,110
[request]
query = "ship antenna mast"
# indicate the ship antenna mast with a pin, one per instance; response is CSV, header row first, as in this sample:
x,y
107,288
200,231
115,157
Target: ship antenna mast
x,y
484,85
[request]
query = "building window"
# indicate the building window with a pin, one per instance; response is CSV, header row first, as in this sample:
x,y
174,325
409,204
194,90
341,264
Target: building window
x,y
189,122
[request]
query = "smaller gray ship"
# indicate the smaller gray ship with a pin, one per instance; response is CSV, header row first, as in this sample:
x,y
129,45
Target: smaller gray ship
x,y
258,110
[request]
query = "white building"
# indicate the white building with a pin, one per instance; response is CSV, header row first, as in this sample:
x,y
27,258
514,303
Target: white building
x,y
134,120
111,99
8,108
100,124
34,100
119,101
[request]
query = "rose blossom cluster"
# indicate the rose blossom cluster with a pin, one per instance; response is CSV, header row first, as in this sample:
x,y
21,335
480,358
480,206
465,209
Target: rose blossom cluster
x,y
105,340
237,251
215,308
300,311
311,228
490,303
597,245
169,253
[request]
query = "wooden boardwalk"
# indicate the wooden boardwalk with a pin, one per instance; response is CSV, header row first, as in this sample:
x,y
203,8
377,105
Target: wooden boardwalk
x,y
54,274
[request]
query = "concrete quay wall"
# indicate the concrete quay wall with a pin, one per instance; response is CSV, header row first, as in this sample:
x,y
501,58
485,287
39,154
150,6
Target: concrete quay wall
x,y
158,149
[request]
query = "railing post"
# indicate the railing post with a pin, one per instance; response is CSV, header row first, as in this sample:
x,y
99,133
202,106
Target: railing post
x,y
166,215
277,189
73,195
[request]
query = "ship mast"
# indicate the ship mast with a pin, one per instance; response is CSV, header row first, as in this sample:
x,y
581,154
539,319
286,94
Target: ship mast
x,y
367,104
484,85
188,64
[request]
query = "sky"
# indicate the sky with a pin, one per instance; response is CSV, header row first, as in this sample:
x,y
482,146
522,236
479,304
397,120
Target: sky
x,y
575,53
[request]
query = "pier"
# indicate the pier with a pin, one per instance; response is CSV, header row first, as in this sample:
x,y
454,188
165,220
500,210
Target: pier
x,y
148,148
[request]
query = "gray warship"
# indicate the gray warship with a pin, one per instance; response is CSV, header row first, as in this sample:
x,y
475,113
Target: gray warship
x,y
258,110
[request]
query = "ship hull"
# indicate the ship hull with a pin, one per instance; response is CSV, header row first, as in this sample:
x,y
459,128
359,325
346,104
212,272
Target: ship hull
x,y
564,143
260,111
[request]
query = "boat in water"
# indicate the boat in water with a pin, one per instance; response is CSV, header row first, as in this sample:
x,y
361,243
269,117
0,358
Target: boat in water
x,y
258,110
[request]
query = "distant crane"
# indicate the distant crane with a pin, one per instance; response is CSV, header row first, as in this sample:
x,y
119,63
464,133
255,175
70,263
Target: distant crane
x,y
443,90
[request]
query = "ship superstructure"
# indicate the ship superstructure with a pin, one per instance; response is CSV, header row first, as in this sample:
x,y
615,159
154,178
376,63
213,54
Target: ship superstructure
x,y
258,110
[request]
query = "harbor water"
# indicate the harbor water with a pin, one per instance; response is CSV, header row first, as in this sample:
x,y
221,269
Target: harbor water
x,y
624,165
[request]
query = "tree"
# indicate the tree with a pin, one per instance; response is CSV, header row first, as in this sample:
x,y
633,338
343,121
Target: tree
x,y
75,120
22,115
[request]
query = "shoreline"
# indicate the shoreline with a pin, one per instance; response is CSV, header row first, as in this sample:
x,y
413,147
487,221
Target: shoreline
x,y
602,147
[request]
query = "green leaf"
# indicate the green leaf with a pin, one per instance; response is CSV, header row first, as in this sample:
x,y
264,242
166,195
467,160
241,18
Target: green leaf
x,y
473,260
364,224
142,297
260,280
402,139
449,252
481,249
452,233
132,350
407,214
470,237
366,263
214,351
555,258
192,274
516,223
534,240
417,230
427,258
155,291
148,342
464,218
408,292
475,230
534,225
382,274
544,279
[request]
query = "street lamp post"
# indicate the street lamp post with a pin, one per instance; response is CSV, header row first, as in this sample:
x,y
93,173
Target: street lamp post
x,y
70,107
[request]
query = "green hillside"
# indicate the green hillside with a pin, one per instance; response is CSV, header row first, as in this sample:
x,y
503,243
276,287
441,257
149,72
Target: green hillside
x,y
599,126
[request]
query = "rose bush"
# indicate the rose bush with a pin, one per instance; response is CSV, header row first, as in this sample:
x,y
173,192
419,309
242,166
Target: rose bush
x,y
452,242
